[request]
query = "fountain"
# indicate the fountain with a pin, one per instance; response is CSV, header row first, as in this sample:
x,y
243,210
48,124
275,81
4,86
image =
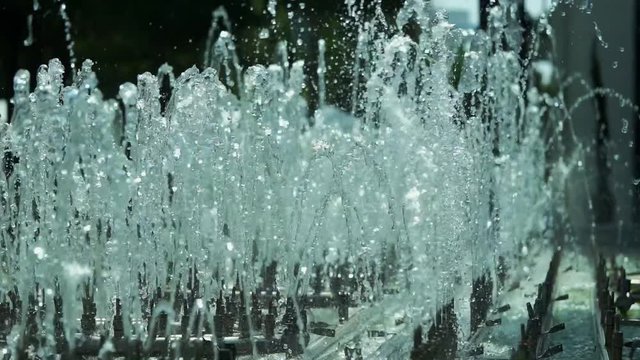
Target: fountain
x,y
209,215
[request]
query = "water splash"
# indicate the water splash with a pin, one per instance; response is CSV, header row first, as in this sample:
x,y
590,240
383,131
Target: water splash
x,y
181,186
599,36
68,38
322,69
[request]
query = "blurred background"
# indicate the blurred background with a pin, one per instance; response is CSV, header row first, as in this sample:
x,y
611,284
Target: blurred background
x,y
597,43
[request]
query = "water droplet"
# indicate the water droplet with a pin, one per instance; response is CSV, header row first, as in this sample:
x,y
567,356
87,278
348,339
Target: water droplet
x,y
599,35
128,93
271,7
29,40
39,252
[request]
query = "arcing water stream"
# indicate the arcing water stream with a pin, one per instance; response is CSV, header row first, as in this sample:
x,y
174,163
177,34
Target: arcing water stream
x,y
164,205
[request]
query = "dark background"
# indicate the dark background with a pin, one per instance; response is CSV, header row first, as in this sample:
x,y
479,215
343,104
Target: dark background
x,y
128,37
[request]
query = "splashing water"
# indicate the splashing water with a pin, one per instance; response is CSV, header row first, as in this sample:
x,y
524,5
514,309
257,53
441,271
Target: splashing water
x,y
67,31
599,36
186,184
